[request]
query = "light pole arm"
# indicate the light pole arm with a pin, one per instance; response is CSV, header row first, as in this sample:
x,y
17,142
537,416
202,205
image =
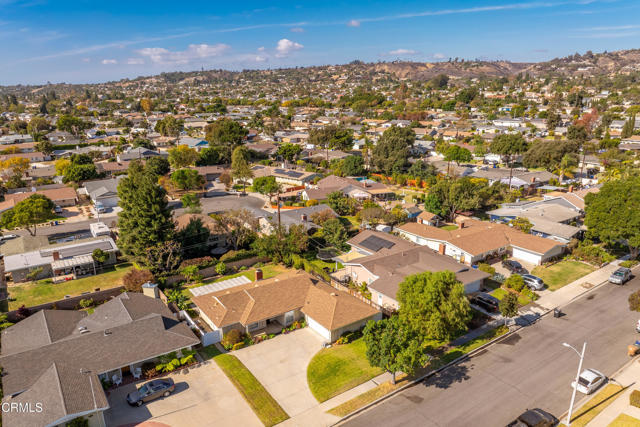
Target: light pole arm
x,y
575,384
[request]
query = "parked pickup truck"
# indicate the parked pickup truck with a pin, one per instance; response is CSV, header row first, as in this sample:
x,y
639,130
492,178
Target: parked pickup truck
x,y
620,276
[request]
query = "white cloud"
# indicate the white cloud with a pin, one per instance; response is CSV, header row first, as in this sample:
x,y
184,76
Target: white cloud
x,y
86,59
135,61
261,49
403,52
438,55
160,55
353,23
261,58
109,61
297,30
285,47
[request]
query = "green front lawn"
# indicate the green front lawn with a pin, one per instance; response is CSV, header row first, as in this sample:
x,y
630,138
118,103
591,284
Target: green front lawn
x,y
262,403
587,412
562,273
42,291
500,293
624,420
337,369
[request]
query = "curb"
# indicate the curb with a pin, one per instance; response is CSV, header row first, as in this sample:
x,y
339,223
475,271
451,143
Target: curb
x,y
463,357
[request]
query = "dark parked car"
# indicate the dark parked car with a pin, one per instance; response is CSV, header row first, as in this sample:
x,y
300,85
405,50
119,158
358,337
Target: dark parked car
x,y
534,418
150,391
486,301
514,266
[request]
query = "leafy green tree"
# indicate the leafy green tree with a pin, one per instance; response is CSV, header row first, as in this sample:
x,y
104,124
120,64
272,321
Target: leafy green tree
x,y
547,154
187,179
194,238
340,203
191,203
566,165
178,298
509,145
221,268
392,150
522,224
157,165
394,346
509,306
423,170
289,151
28,213
44,146
240,167
73,125
164,258
266,185
37,127
282,243
182,156
454,195
612,214
352,166
238,226
209,156
629,125
331,137
456,154
100,256
434,305
169,126
145,219
334,233
225,134
80,172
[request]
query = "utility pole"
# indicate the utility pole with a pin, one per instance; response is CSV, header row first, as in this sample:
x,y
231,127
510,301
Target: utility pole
x,y
278,202
575,384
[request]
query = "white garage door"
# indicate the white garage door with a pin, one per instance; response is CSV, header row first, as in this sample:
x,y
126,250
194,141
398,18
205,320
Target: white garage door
x,y
526,256
324,333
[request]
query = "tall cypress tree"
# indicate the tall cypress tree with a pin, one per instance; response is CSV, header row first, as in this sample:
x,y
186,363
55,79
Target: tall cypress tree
x,y
145,219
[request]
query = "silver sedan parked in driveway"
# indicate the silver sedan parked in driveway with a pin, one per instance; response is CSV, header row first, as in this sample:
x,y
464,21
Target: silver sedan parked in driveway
x,y
533,282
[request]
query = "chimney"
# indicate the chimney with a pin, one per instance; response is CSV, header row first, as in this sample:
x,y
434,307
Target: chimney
x,y
533,180
258,274
303,217
441,249
461,225
571,189
151,290
56,255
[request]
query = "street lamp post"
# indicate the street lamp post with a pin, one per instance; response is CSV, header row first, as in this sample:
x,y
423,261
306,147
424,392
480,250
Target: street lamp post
x,y
575,384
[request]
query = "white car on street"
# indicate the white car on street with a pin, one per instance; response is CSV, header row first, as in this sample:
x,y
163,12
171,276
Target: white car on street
x,y
589,381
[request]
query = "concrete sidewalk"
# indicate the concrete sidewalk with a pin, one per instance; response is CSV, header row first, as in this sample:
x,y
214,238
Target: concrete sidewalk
x,y
628,377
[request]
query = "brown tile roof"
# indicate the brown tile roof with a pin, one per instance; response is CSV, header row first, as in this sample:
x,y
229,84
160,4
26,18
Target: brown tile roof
x,y
334,309
478,237
55,194
272,297
183,220
392,267
428,216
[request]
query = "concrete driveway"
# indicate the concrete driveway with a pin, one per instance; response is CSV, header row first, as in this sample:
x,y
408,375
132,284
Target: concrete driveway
x,y
203,396
280,364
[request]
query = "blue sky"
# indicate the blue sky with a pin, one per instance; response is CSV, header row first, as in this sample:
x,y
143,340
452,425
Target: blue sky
x,y
93,41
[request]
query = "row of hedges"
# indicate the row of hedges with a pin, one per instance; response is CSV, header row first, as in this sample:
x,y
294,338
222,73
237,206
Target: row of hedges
x,y
591,254
299,263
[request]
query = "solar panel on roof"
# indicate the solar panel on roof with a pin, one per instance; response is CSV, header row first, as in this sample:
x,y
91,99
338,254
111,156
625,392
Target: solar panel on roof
x,y
375,243
295,174
280,171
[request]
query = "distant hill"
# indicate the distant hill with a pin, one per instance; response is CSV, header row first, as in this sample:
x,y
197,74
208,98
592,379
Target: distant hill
x,y
586,65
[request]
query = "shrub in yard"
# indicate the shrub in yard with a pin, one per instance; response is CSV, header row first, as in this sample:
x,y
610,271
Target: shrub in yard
x,y
231,338
149,370
201,262
483,266
135,278
634,398
221,268
592,254
529,294
634,301
629,263
237,346
298,263
514,282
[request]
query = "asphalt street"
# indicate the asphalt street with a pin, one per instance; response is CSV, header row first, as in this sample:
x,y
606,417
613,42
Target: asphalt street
x,y
530,369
